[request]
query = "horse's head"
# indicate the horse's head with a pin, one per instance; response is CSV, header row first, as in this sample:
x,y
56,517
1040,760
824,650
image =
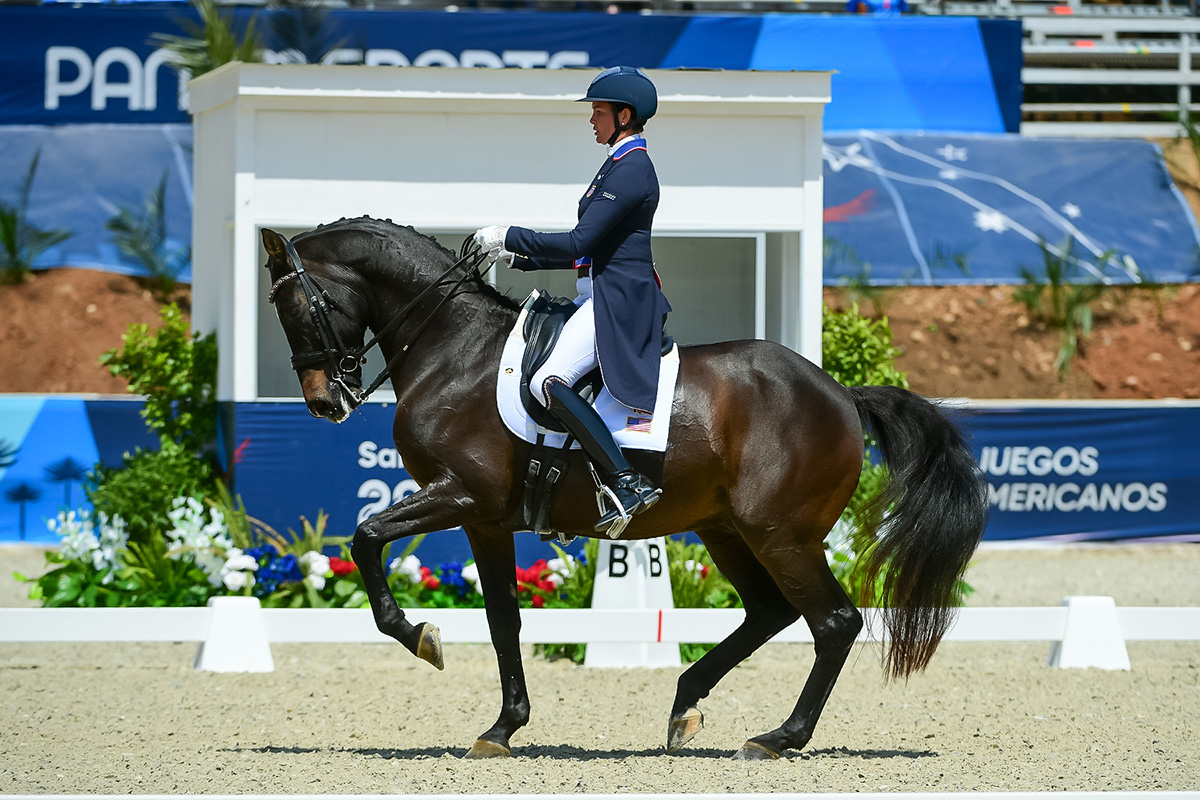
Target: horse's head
x,y
324,320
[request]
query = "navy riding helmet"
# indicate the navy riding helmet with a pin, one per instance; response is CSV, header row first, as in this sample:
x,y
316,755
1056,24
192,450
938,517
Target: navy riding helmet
x,y
627,86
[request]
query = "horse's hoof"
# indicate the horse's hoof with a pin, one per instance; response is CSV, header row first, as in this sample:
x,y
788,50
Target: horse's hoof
x,y
753,751
485,749
684,728
429,645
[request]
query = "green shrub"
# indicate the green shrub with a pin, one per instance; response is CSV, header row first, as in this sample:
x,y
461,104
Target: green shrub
x,y
177,372
141,491
858,351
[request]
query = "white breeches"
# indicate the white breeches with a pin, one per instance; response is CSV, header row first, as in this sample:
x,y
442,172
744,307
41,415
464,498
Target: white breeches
x,y
574,353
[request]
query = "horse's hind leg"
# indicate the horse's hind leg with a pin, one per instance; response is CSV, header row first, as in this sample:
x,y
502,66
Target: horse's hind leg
x,y
767,613
805,579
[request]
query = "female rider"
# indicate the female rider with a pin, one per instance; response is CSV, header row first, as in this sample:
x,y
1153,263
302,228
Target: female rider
x,y
621,309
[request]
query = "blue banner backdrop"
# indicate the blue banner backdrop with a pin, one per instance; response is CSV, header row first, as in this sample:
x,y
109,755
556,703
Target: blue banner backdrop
x,y
899,208
1055,471
48,444
1080,473
907,209
103,64
87,173
1100,472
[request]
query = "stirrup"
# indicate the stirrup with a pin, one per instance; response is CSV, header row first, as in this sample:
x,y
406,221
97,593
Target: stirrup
x,y
606,500
614,516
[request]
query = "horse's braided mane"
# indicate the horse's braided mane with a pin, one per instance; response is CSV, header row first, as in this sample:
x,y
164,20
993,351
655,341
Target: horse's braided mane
x,y
390,230
381,226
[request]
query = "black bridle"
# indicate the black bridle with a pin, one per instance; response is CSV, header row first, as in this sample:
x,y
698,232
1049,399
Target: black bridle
x,y
340,362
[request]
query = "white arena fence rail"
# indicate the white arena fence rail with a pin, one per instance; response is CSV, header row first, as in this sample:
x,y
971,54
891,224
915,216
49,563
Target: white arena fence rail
x,y
235,633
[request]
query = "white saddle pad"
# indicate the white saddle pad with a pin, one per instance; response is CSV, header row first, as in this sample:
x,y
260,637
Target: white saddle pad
x,y
629,428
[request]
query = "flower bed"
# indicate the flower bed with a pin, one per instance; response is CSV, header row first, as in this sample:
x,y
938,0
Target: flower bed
x,y
214,549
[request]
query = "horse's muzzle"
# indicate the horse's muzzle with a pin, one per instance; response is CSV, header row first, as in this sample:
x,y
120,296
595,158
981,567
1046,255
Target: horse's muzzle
x,y
326,399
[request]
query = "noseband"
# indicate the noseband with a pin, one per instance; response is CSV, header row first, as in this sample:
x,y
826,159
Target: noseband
x,y
340,362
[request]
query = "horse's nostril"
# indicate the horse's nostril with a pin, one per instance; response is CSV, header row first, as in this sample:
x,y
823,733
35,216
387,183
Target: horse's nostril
x,y
319,407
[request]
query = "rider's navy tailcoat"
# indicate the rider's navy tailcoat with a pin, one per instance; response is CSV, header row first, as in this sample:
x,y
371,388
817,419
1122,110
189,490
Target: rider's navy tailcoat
x,y
613,236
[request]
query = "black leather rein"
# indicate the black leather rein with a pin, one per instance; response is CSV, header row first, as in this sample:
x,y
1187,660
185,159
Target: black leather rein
x,y
341,362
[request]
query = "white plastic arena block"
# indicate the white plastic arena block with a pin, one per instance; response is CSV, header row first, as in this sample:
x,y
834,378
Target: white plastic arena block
x,y
237,637
633,575
1092,636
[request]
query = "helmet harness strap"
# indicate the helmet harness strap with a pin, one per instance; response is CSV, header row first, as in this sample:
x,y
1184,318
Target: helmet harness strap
x,y
618,128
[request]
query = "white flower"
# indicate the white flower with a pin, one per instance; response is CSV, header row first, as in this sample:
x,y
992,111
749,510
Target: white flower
x,y
78,538
691,565
103,548
206,542
316,581
237,581
237,560
562,566
555,578
315,564
410,567
471,573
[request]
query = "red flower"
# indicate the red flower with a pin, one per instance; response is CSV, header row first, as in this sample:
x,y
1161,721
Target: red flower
x,y
538,602
429,579
533,574
703,572
340,567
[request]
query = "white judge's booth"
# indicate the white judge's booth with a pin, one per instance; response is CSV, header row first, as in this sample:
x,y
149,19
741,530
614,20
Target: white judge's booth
x,y
737,235
738,154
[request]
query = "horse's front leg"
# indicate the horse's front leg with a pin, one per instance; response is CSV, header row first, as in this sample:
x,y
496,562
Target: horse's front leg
x,y
440,505
495,556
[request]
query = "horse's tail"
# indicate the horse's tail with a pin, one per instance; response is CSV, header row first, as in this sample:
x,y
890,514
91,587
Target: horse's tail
x,y
935,509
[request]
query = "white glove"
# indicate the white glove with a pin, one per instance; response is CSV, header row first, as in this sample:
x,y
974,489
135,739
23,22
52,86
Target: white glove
x,y
491,238
503,258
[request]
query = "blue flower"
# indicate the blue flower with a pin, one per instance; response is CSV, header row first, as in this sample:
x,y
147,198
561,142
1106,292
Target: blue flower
x,y
287,568
581,557
451,573
262,551
265,583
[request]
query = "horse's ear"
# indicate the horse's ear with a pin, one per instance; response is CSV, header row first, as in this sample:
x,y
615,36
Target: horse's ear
x,y
275,245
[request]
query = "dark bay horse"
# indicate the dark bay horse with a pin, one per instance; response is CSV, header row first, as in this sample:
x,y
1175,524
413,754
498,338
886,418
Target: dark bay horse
x,y
764,454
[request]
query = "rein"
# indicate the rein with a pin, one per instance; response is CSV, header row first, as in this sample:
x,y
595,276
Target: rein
x,y
341,362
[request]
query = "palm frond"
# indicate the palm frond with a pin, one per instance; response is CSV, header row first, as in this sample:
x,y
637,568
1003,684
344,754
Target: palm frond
x,y
143,238
21,242
210,43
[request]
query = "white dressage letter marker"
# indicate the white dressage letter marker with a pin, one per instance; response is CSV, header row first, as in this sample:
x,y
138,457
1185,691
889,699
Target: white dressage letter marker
x,y
1093,636
237,637
632,575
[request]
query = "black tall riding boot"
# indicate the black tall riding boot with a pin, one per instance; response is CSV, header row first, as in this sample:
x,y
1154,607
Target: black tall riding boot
x,y
632,490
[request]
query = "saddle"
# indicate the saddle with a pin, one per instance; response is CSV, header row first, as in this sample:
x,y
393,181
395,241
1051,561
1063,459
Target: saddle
x,y
545,317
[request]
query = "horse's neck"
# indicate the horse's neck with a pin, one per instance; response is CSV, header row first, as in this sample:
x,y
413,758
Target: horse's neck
x,y
463,339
